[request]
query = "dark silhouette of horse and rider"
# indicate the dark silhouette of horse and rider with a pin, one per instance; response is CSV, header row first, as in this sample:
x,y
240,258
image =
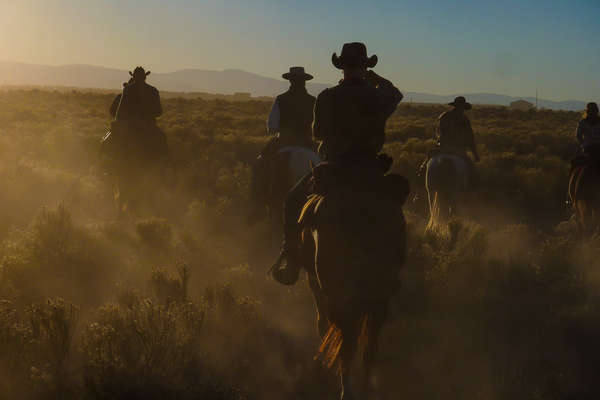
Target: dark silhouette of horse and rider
x,y
584,191
135,146
343,221
287,156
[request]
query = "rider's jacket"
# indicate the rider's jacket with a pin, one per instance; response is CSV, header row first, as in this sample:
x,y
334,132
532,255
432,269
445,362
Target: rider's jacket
x,y
292,115
588,133
140,102
454,132
350,118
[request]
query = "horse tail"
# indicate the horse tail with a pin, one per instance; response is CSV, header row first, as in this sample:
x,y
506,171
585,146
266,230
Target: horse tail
x,y
331,346
336,341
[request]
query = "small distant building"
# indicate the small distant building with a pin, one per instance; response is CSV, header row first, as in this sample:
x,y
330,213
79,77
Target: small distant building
x,y
522,105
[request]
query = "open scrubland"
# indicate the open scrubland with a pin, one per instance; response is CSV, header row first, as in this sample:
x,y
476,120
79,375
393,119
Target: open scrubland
x,y
177,304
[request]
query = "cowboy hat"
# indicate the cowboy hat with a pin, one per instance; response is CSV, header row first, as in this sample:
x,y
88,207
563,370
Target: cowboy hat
x,y
460,101
297,73
353,55
139,71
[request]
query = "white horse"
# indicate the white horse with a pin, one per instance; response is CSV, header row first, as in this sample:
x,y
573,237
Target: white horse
x,y
288,166
447,177
300,161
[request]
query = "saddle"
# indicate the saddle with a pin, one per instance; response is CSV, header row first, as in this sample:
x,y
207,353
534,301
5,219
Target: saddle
x,y
366,176
135,139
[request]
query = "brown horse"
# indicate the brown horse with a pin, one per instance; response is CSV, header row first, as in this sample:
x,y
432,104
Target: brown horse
x,y
584,191
136,155
354,243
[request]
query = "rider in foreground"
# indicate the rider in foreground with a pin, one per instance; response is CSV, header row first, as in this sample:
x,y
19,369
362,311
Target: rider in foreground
x,y
289,122
349,122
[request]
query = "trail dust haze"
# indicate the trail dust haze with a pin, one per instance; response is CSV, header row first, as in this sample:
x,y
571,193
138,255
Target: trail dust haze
x,y
176,302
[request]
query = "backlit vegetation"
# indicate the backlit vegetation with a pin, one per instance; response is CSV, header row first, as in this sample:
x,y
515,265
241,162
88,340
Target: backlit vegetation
x,y
177,305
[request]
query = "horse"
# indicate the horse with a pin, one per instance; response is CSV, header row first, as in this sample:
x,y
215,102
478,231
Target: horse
x,y
446,178
352,247
135,154
585,195
288,165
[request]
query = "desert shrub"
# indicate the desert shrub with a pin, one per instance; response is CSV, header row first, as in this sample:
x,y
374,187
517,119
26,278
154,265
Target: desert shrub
x,y
35,350
509,304
493,311
148,350
168,289
67,259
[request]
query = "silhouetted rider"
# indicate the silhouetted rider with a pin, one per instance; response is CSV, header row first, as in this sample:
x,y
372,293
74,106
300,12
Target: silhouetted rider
x,y
588,131
350,123
454,131
291,115
140,101
290,122
588,140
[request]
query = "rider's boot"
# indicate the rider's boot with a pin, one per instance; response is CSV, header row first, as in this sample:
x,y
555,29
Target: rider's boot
x,y
286,269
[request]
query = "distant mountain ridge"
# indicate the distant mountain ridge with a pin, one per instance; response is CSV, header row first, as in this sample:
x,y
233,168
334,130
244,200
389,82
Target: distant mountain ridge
x,y
228,81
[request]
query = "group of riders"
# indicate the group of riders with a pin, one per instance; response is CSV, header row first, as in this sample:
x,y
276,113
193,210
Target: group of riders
x,y
344,126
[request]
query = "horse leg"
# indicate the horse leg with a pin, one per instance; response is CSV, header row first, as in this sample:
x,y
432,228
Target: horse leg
x,y
322,320
350,334
374,323
433,210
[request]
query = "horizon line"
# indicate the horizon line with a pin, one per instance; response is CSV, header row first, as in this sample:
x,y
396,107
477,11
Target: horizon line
x,y
533,96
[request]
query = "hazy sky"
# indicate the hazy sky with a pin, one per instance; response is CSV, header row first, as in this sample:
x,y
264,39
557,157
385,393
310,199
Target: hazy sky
x,y
435,46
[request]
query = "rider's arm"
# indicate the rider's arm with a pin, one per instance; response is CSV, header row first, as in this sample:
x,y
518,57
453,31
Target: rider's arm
x,y
322,124
580,132
158,106
274,119
390,95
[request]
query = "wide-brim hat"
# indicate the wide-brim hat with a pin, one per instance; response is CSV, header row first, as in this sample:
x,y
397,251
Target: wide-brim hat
x,y
460,101
297,73
353,55
138,71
